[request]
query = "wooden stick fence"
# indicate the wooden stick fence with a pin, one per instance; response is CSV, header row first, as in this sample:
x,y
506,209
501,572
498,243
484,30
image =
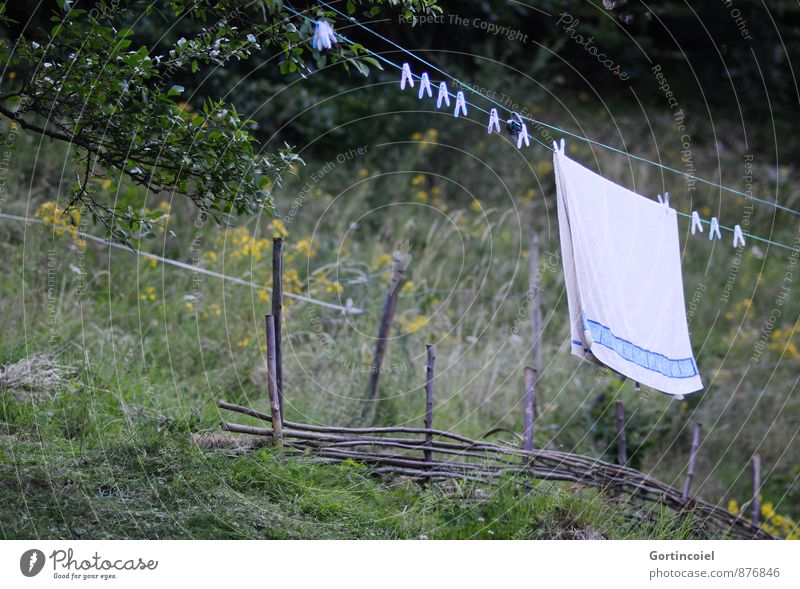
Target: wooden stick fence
x,y
427,454
404,451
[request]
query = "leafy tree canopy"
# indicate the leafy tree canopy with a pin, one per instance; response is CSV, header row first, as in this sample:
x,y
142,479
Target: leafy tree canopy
x,y
119,106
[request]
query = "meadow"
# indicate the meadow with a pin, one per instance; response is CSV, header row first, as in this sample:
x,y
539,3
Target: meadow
x,y
118,435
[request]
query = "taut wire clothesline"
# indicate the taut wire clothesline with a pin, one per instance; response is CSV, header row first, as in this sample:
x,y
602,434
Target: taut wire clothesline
x,y
556,128
178,264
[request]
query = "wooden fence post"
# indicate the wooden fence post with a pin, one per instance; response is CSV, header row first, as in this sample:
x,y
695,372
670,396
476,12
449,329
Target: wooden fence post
x,y
272,386
429,402
756,505
529,401
277,312
692,460
622,443
399,264
536,315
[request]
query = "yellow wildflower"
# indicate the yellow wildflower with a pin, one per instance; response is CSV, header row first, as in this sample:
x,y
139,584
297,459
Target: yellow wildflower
x,y
334,287
382,260
733,506
291,281
61,221
149,294
306,247
279,228
416,324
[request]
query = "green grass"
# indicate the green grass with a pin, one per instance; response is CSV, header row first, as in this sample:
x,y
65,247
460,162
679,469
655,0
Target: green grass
x,y
66,472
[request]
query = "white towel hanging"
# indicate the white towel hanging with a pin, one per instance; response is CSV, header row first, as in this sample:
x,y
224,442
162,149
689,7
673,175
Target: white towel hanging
x,y
622,272
461,104
406,77
697,225
444,96
425,86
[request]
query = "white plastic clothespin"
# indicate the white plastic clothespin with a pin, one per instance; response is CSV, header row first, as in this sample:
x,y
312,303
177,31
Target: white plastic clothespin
x,y
738,236
697,225
494,121
444,95
425,86
406,77
461,104
563,146
324,37
664,201
714,229
523,137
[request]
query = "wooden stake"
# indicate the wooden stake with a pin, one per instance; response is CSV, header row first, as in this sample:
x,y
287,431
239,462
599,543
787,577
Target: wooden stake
x,y
277,312
536,315
429,402
756,505
692,460
529,420
272,385
399,265
622,443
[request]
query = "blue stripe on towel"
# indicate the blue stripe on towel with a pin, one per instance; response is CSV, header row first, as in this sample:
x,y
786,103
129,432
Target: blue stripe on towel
x,y
580,345
670,367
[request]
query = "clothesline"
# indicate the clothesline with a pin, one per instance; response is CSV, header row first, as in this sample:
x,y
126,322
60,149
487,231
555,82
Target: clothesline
x,y
178,264
542,123
492,114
